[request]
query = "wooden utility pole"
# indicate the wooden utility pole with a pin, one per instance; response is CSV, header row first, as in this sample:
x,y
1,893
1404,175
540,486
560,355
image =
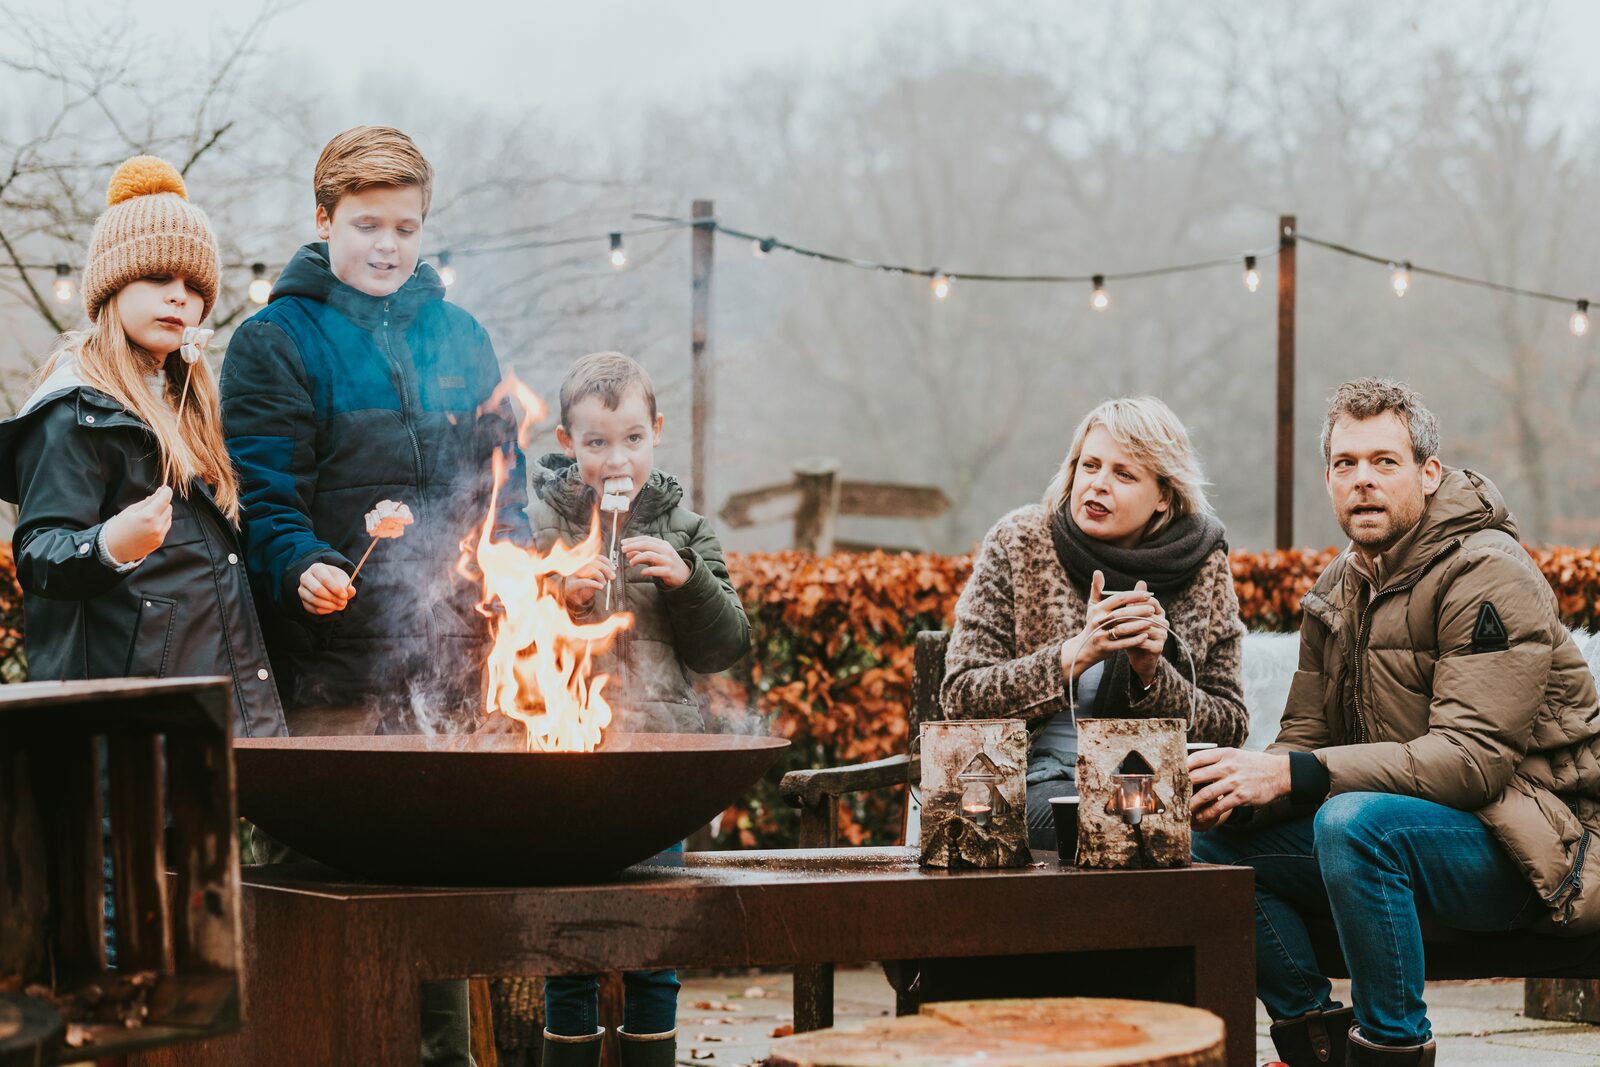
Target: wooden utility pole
x,y
704,244
1285,484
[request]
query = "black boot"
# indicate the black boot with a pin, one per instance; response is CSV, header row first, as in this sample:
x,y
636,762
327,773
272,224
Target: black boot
x,y
648,1050
1315,1039
561,1051
1363,1053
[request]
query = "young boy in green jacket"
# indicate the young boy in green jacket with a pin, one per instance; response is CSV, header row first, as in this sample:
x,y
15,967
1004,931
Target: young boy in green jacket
x,y
665,565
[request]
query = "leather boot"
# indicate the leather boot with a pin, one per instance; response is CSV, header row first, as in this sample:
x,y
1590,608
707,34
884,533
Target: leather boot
x,y
1360,1052
1315,1039
648,1050
561,1051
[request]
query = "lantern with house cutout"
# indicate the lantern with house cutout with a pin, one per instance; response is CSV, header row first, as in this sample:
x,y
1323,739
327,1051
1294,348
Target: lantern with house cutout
x,y
1133,785
974,793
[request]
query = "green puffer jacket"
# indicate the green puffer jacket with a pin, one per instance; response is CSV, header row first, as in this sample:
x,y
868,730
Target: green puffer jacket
x,y
1423,689
700,626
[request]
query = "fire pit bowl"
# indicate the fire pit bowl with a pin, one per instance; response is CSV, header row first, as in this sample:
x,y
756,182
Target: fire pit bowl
x,y
480,810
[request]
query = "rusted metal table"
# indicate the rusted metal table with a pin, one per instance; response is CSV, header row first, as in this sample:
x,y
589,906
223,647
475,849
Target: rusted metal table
x,y
333,966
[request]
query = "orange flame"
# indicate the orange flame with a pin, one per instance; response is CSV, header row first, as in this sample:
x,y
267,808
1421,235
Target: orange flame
x,y
541,661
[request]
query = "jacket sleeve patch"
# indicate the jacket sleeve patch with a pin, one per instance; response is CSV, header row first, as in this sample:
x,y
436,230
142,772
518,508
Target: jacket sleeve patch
x,y
1489,635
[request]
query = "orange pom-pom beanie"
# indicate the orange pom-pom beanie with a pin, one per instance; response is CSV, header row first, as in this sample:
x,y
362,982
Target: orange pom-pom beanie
x,y
150,228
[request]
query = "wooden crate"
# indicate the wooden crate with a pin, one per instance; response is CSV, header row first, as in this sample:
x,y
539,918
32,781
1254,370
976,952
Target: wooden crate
x,y
166,750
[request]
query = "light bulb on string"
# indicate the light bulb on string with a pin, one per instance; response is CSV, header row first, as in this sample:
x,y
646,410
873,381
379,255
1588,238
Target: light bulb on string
x,y
1401,278
763,247
940,284
619,258
260,290
1098,299
1252,277
64,289
447,273
1579,323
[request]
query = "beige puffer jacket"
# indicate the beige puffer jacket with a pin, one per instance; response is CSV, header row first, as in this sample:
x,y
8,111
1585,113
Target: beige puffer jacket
x,y
1417,691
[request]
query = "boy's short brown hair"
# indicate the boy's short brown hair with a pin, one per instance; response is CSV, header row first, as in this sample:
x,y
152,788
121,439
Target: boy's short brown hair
x,y
365,156
609,376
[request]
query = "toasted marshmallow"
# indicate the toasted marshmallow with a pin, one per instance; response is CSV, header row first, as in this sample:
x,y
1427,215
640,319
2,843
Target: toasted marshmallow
x,y
623,486
389,519
613,502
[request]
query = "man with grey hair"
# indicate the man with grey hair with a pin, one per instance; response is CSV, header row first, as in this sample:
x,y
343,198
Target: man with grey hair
x,y
1439,753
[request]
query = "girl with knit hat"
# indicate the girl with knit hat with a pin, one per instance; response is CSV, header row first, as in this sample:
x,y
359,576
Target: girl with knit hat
x,y
127,543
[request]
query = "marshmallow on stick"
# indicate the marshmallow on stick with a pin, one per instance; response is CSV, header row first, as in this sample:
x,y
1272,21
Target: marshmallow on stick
x,y
615,501
385,522
195,339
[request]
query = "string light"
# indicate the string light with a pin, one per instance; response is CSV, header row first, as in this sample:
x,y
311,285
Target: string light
x,y
940,284
63,286
1252,277
763,248
260,290
1098,299
447,273
619,258
1580,319
1401,278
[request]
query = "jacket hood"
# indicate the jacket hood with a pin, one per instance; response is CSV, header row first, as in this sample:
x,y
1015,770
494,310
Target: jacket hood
x,y
557,482
310,274
1465,503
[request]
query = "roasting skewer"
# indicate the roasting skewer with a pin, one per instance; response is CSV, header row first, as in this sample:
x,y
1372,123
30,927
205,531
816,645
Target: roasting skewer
x,y
615,502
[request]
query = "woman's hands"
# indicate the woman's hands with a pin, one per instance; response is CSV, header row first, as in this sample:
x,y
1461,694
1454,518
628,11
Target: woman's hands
x,y
1130,630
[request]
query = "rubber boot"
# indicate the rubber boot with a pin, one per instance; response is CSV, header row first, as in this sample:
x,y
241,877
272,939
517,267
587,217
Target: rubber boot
x,y
648,1050
1360,1052
1315,1039
561,1051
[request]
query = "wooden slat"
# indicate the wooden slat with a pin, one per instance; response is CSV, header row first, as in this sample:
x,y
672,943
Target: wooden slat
x,y
68,788
480,1013
891,501
204,853
24,869
142,922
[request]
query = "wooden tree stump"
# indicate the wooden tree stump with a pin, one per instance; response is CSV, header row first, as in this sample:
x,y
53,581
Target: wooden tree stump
x,y
1105,840
1062,1032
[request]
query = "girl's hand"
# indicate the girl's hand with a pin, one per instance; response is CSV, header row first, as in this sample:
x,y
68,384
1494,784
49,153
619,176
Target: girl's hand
x,y
582,584
656,559
1131,612
1145,657
325,589
139,529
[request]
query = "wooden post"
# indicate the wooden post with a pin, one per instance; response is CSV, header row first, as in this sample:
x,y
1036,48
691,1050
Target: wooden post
x,y
818,512
1285,493
704,243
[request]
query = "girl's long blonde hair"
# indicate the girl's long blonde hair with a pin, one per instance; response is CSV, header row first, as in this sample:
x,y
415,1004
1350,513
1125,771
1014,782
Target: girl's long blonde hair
x,y
1153,435
107,359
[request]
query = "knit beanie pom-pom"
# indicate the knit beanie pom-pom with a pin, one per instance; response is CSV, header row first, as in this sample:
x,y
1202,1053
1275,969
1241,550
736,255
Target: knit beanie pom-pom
x,y
144,176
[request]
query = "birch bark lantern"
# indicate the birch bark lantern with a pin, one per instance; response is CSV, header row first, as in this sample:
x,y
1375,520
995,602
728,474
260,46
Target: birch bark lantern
x,y
1133,781
974,793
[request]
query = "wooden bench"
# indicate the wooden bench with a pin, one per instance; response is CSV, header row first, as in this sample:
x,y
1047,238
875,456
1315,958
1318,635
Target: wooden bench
x,y
1562,973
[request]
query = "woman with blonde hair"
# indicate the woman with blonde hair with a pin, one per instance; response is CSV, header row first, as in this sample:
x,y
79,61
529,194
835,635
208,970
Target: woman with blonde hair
x,y
1068,593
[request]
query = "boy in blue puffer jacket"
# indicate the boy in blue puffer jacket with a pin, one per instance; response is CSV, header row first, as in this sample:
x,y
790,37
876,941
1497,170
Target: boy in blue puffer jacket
x,y
357,383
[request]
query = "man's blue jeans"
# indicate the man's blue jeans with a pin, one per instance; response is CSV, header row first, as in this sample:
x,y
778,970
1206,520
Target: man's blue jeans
x,y
1374,861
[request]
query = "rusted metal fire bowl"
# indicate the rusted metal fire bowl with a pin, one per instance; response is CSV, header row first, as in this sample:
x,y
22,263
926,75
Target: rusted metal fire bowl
x,y
480,810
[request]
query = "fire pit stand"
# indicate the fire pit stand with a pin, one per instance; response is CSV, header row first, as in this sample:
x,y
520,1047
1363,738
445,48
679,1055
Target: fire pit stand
x,y
335,966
